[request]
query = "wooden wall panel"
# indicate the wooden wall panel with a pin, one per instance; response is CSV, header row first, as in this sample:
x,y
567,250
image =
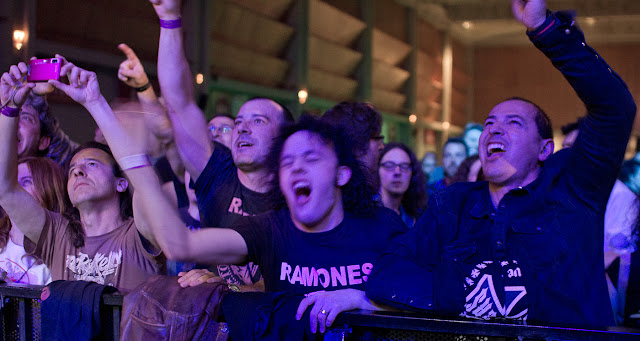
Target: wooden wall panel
x,y
391,18
330,23
250,30
274,9
351,7
327,56
503,72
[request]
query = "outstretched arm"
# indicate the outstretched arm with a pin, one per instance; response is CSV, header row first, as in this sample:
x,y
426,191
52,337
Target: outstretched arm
x,y
599,149
132,73
24,211
176,82
155,216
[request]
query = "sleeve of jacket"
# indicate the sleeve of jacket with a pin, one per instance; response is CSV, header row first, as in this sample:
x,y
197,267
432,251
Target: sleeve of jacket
x,y
599,149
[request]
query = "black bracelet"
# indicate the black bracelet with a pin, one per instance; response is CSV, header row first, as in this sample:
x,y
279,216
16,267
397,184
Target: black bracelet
x,y
144,87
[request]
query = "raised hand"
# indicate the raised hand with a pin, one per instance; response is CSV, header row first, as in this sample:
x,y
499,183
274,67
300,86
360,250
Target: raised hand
x,y
167,9
83,85
12,80
531,13
131,71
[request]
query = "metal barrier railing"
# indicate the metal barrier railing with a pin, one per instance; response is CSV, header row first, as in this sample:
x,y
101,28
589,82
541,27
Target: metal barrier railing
x,y
20,313
20,320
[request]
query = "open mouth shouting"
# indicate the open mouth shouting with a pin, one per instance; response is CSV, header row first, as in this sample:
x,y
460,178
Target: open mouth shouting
x,y
302,192
495,149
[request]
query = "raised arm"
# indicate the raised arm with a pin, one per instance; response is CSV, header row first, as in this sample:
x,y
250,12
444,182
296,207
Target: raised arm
x,y
155,216
132,73
599,149
24,211
176,82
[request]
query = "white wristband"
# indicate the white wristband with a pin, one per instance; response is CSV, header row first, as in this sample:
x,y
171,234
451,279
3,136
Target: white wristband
x,y
134,161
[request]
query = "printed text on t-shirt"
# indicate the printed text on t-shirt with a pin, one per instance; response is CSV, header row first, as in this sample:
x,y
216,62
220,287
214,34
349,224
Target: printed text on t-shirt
x,y
236,207
346,275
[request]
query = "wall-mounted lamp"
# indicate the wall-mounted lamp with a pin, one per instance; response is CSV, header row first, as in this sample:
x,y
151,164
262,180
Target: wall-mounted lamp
x,y
446,125
18,39
302,96
199,78
413,118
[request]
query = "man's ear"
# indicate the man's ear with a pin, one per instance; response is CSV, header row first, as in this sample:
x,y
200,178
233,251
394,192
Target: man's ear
x,y
344,175
121,184
546,150
44,143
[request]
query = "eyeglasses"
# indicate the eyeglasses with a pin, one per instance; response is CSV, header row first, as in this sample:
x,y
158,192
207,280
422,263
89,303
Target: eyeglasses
x,y
391,166
224,129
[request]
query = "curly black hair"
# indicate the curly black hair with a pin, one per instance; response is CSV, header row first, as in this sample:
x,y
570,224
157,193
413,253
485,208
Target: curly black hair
x,y
414,200
357,195
361,121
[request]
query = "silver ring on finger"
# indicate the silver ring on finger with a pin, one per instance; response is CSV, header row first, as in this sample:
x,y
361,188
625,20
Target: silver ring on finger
x,y
323,312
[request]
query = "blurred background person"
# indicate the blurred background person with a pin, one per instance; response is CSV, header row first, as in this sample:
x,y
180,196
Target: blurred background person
x,y
220,127
45,181
402,183
470,170
471,137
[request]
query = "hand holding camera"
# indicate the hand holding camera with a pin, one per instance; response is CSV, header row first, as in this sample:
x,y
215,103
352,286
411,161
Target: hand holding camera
x,y
83,85
14,88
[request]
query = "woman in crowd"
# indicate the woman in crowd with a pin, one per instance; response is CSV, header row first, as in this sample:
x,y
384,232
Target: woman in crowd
x,y
402,183
45,181
470,170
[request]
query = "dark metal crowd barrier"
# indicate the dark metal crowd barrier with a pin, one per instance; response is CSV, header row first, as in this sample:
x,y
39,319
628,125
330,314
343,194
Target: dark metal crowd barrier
x,y
392,326
21,321
21,313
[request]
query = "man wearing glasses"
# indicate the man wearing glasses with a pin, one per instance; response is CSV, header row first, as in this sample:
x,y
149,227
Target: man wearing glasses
x,y
220,129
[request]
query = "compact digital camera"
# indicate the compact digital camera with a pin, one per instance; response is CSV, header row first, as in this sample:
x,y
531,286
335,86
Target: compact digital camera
x,y
41,70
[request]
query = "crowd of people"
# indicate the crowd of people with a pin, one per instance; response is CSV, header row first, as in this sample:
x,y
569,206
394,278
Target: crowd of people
x,y
320,208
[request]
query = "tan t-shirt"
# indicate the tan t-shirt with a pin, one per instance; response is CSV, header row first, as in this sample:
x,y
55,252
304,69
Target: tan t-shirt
x,y
117,258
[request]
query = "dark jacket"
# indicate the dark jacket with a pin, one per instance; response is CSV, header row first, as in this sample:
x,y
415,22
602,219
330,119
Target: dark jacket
x,y
553,227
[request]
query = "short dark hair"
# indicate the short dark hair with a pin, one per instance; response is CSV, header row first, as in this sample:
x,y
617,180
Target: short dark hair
x,y
456,140
414,200
569,127
287,116
126,207
543,122
360,120
357,195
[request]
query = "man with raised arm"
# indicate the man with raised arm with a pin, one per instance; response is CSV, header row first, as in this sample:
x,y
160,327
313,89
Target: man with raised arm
x,y
527,244
107,247
228,186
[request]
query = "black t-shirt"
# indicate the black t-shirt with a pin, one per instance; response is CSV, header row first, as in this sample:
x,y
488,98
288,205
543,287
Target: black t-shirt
x,y
222,199
295,261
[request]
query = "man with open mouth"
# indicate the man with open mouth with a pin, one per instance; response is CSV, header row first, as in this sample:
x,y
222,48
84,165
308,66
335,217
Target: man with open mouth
x,y
228,184
524,244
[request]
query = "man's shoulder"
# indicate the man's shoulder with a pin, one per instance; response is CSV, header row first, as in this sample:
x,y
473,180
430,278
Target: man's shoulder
x,y
220,167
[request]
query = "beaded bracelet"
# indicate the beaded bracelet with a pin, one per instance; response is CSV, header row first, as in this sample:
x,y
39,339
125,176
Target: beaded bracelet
x,y
171,23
